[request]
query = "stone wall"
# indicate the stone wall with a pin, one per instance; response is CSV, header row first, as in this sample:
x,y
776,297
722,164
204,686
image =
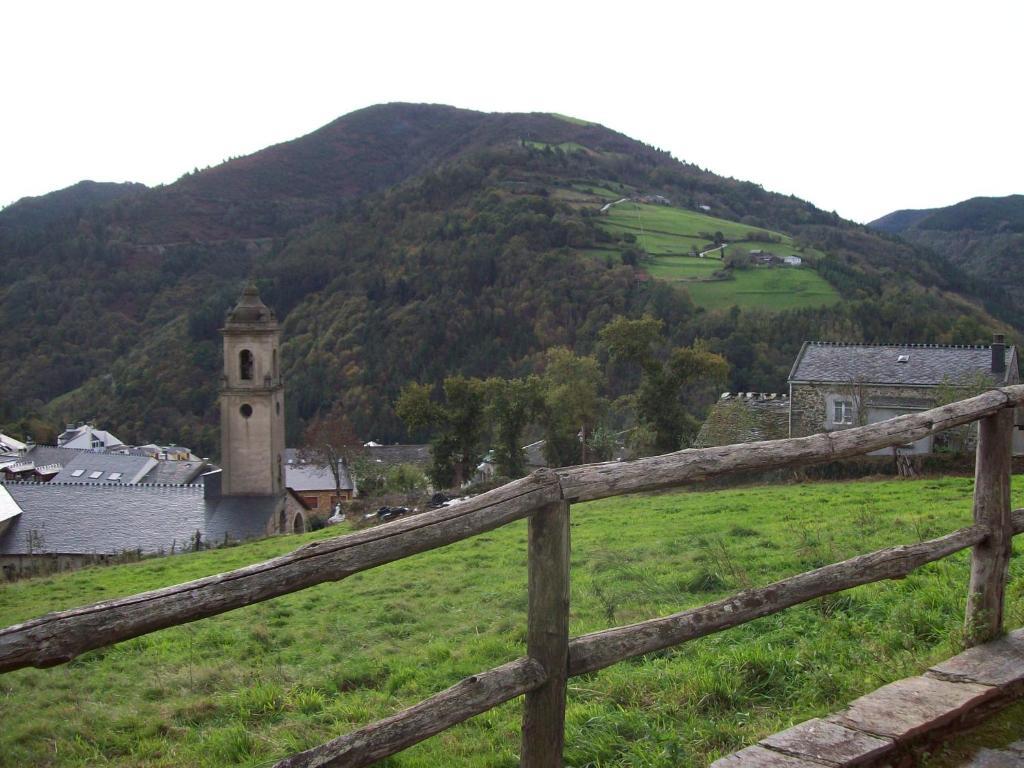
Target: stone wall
x,y
811,404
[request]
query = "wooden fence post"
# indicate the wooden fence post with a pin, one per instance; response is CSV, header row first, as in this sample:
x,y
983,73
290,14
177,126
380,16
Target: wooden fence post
x,y
547,638
990,559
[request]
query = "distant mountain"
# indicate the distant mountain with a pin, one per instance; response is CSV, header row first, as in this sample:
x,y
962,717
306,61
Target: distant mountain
x,y
409,242
896,222
984,236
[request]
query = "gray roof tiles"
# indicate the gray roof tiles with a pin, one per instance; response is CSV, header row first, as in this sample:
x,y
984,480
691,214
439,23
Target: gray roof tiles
x,y
176,472
926,365
110,519
90,467
50,454
309,477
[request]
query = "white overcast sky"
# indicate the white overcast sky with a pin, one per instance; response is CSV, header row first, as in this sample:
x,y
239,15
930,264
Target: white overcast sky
x,y
859,107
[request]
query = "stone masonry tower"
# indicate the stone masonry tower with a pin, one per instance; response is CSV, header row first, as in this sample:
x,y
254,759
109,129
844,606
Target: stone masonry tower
x,y
252,401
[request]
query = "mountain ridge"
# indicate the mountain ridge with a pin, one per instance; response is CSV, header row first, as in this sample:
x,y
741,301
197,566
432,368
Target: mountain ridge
x,y
473,261
983,236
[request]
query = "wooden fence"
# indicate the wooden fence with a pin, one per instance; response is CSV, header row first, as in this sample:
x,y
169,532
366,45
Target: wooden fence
x,y
551,656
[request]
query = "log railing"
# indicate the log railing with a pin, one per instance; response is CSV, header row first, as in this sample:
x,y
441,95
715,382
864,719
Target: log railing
x,y
552,657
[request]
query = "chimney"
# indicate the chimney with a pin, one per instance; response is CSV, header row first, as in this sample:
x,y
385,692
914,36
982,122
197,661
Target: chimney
x,y
998,354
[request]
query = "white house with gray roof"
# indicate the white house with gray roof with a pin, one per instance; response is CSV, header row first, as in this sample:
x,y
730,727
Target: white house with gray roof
x,y
87,437
836,386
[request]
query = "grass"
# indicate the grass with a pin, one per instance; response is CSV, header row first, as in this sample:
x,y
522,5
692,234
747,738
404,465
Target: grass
x,y
775,288
669,234
682,267
570,119
256,684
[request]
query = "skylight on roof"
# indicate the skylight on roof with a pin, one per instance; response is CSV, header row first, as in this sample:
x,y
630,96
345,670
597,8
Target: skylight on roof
x,y
114,476
95,475
78,473
903,359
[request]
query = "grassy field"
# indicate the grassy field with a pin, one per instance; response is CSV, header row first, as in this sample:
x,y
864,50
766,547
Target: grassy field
x,y
772,288
682,267
669,234
258,683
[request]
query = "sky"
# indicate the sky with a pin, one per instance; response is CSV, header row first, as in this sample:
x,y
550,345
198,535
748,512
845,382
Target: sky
x,y
860,107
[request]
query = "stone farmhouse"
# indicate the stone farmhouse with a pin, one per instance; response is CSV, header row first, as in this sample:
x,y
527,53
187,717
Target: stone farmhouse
x,y
101,505
837,386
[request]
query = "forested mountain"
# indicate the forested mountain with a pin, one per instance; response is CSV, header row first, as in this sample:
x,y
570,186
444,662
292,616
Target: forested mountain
x,y
410,242
984,236
30,216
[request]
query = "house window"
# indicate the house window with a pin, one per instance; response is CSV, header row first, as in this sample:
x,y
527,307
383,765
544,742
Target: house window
x,y
842,412
245,364
313,502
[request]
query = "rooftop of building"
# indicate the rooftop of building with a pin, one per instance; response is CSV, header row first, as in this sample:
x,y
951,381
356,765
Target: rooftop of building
x,y
901,364
108,519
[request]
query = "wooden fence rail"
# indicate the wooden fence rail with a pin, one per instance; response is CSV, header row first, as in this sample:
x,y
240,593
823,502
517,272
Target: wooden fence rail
x,y
552,657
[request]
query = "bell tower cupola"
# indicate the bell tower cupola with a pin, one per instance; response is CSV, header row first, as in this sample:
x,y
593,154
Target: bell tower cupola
x,y
252,401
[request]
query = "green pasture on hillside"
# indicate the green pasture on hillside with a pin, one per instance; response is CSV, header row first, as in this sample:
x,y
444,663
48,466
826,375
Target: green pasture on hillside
x,y
261,682
682,222
774,288
669,234
682,267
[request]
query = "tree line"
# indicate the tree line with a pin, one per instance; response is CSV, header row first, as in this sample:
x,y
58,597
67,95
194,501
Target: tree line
x,y
570,402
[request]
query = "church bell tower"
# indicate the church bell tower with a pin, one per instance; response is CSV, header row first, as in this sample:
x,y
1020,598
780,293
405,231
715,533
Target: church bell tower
x,y
252,401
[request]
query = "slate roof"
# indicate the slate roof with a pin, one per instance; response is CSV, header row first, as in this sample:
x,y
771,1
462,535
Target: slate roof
x,y
41,455
112,468
309,477
927,364
110,519
167,472
744,418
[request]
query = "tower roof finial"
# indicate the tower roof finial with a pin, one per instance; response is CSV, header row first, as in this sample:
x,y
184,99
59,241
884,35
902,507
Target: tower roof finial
x,y
250,308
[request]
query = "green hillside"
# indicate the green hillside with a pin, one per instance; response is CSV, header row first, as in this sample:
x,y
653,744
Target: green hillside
x,y
263,681
674,238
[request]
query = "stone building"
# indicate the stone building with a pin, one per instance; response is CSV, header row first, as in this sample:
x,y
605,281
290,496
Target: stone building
x,y
313,484
252,401
837,386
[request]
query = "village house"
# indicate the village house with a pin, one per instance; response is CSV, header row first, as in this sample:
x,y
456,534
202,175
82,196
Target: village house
x,y
87,437
10,445
762,257
314,485
837,386
104,506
